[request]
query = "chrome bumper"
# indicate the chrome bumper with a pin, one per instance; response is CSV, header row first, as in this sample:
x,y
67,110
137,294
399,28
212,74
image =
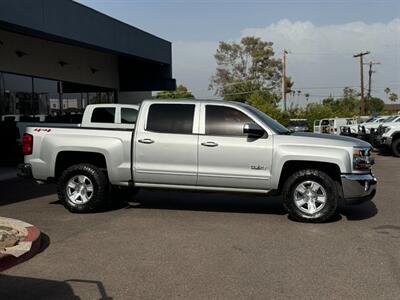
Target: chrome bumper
x,y
358,188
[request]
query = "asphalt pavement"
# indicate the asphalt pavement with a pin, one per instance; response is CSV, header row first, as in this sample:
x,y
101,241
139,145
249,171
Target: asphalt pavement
x,y
171,245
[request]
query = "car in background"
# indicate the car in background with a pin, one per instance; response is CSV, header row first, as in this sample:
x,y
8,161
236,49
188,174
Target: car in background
x,y
298,125
388,136
329,126
351,128
368,131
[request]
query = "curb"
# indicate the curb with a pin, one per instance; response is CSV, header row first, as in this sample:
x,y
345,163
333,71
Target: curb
x,y
34,236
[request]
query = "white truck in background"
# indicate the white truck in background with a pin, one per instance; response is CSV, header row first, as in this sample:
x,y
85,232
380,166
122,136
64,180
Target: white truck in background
x,y
388,135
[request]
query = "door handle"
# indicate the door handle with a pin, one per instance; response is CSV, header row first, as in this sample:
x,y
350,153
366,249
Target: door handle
x,y
146,141
209,144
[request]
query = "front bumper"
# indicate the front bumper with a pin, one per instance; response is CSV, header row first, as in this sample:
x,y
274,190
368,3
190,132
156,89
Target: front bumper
x,y
24,170
358,188
382,140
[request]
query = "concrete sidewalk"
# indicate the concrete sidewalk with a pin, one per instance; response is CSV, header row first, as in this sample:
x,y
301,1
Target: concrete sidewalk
x,y
8,173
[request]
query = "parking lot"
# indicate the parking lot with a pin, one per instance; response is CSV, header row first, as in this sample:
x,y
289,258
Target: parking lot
x,y
165,245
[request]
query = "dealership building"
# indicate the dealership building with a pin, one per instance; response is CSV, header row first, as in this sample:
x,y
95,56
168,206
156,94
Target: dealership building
x,y
58,56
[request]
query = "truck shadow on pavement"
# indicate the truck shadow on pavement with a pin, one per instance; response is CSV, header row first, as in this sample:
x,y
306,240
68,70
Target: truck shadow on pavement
x,y
360,212
17,190
216,202
15,287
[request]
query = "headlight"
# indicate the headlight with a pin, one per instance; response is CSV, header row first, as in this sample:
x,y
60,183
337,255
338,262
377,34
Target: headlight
x,y
362,160
367,130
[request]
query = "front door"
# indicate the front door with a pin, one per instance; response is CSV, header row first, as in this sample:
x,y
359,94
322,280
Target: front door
x,y
166,148
228,157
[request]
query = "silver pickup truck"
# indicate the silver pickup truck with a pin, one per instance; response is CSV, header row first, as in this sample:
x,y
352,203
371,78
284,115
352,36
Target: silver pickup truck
x,y
206,146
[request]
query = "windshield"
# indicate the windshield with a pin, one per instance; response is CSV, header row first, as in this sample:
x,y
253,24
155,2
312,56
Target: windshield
x,y
390,119
267,120
298,123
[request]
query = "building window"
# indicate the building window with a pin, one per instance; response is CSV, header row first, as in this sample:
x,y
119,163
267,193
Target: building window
x,y
31,98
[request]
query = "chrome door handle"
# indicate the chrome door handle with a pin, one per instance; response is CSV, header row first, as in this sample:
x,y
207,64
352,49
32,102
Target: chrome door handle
x,y
209,144
146,141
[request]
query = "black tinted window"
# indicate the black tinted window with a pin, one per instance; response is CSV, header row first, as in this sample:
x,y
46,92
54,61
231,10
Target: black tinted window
x,y
222,120
103,115
171,118
128,115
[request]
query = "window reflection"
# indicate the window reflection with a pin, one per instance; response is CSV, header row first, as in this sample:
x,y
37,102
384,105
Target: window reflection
x,y
26,98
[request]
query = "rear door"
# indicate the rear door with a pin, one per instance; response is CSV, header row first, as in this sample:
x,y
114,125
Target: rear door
x,y
229,158
165,146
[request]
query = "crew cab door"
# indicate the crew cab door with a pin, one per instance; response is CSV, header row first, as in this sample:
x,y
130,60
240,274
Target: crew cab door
x,y
165,145
228,157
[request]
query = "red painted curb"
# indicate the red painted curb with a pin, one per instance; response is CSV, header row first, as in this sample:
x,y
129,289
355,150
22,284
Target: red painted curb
x,y
7,261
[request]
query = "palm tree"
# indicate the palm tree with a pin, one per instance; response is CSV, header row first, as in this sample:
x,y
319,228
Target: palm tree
x,y
387,91
393,97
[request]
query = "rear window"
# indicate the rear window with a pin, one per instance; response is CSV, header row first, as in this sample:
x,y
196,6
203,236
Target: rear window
x,y
128,115
103,115
325,122
171,118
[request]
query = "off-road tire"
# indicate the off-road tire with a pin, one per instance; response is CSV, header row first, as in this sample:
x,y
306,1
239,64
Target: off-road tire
x,y
100,188
325,181
396,147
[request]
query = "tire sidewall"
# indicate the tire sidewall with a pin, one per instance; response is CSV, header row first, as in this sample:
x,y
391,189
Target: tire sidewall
x,y
325,181
96,177
396,148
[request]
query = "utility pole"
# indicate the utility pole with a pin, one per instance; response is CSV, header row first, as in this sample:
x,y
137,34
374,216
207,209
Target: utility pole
x,y
370,71
362,104
284,52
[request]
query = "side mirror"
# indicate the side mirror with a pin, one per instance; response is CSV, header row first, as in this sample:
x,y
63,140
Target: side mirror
x,y
253,130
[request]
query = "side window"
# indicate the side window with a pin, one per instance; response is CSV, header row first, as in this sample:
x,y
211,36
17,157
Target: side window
x,y
103,115
171,118
128,115
223,120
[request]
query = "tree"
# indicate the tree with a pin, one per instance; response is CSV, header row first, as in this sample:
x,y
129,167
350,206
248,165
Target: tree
x,y
387,91
307,95
245,67
181,92
393,97
261,101
375,105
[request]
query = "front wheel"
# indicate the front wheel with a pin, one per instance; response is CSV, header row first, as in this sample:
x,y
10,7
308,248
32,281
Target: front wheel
x,y
396,147
83,188
310,196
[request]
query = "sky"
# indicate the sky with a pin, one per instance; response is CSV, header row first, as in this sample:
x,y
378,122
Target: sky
x,y
320,36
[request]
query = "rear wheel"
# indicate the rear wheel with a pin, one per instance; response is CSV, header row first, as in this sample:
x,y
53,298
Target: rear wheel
x,y
396,147
310,196
83,188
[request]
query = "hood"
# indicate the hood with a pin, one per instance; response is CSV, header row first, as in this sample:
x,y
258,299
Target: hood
x,y
332,139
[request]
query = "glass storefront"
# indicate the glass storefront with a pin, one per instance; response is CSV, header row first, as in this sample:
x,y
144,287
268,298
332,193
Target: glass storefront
x,y
26,98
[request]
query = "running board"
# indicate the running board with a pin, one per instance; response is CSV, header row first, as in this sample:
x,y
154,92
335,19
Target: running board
x,y
200,188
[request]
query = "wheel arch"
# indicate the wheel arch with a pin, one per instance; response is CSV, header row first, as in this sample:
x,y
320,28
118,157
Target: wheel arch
x,y
289,167
65,159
